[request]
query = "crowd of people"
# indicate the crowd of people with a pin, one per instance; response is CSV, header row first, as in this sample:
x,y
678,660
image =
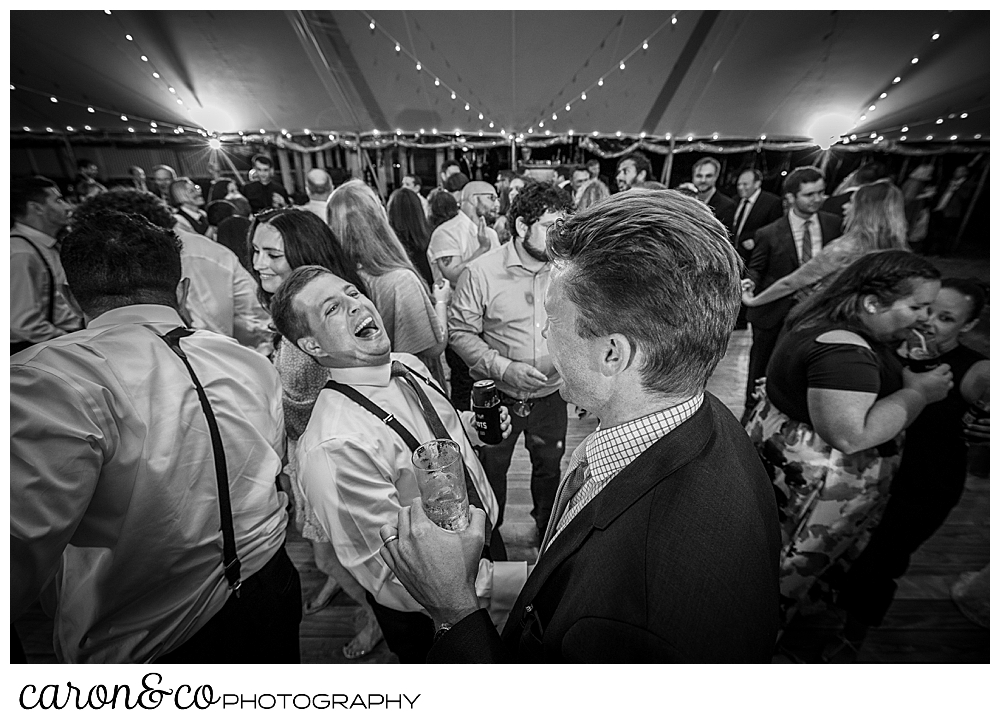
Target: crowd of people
x,y
194,369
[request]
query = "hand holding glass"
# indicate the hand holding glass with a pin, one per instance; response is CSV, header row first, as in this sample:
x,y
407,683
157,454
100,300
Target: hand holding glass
x,y
441,480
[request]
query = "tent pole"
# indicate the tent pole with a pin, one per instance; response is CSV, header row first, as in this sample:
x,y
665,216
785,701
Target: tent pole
x,y
513,154
669,165
972,205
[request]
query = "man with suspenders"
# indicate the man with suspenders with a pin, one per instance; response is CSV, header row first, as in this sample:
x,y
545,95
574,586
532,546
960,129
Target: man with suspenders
x,y
354,456
39,309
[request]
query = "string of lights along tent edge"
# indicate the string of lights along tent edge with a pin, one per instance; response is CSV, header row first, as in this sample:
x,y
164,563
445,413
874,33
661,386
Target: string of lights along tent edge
x,y
878,136
380,138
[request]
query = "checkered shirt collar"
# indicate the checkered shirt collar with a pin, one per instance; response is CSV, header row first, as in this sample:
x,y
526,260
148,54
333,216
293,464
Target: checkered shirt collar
x,y
610,451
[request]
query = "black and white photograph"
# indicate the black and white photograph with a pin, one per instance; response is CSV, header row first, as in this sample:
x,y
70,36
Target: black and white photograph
x,y
506,336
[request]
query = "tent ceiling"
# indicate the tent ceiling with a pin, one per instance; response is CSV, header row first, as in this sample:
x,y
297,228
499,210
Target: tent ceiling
x,y
738,74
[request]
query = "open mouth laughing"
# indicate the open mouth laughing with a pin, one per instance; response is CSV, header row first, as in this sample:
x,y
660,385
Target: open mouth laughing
x,y
366,328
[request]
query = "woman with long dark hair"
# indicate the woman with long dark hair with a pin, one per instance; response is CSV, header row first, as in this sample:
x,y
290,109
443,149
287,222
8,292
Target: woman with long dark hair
x,y
281,241
407,219
829,427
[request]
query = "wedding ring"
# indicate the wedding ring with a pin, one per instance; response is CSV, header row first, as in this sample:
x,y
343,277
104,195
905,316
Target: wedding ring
x,y
391,538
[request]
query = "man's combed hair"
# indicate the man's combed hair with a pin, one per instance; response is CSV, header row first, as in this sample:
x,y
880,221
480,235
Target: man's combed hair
x,y
534,200
802,175
126,201
27,189
114,260
290,322
658,268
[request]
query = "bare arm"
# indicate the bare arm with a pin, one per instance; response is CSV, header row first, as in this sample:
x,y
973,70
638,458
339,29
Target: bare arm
x,y
852,421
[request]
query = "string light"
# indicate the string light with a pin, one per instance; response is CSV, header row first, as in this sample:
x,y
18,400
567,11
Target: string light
x,y
645,45
935,37
964,115
600,81
914,61
155,74
567,106
904,129
583,96
883,96
896,80
53,99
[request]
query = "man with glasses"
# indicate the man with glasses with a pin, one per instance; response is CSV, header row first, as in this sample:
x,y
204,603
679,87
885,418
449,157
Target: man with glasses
x,y
466,236
496,322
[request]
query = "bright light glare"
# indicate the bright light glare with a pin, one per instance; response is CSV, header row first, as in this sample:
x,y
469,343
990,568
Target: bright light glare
x,y
828,128
215,144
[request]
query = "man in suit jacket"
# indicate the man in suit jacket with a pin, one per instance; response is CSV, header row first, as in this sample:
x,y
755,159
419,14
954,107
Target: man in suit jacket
x,y
664,541
756,208
705,175
779,249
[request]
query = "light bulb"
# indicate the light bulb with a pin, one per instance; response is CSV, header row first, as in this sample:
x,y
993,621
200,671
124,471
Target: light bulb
x,y
480,116
153,124
871,107
143,58
437,81
600,81
964,115
53,99
466,106
124,117
645,45
583,96
418,65
621,66
90,109
915,61
883,95
567,106
896,80
371,25
935,36
673,21
904,129
397,47
939,121
155,74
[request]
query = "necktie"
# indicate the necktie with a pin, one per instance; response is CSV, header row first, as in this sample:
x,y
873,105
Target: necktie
x,y
571,484
807,250
741,216
434,421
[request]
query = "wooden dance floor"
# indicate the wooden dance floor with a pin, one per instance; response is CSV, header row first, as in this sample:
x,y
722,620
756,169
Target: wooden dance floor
x,y
923,624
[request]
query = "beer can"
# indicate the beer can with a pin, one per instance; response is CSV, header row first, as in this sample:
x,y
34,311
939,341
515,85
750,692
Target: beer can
x,y
486,405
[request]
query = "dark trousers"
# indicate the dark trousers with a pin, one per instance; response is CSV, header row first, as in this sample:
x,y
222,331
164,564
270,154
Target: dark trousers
x,y
259,627
461,382
917,507
761,348
545,439
410,634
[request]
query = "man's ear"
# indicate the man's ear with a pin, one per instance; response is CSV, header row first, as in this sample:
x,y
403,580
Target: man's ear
x,y
310,346
617,355
521,227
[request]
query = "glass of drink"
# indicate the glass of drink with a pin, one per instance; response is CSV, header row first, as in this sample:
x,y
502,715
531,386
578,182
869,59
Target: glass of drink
x,y
441,480
921,351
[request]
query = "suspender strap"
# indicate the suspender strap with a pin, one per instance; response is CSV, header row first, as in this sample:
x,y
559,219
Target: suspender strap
x,y
52,277
411,442
386,417
230,560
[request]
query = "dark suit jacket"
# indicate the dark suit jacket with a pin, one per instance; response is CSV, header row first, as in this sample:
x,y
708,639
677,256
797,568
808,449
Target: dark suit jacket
x,y
723,207
773,257
765,210
676,560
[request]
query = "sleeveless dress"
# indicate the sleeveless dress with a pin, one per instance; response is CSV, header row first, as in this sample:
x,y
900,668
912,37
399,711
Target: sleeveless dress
x,y
828,501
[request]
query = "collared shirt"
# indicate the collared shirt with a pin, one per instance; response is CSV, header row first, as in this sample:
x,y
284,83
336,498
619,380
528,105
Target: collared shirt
x,y
222,296
497,317
184,217
357,474
743,210
261,197
29,289
113,488
610,451
815,233
458,237
316,207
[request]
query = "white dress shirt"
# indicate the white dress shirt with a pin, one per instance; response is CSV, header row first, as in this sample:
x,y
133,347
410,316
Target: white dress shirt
x,y
358,474
458,237
223,296
29,289
112,486
815,233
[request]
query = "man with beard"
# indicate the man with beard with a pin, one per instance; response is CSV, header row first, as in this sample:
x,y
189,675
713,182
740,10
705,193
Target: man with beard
x,y
495,325
633,169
